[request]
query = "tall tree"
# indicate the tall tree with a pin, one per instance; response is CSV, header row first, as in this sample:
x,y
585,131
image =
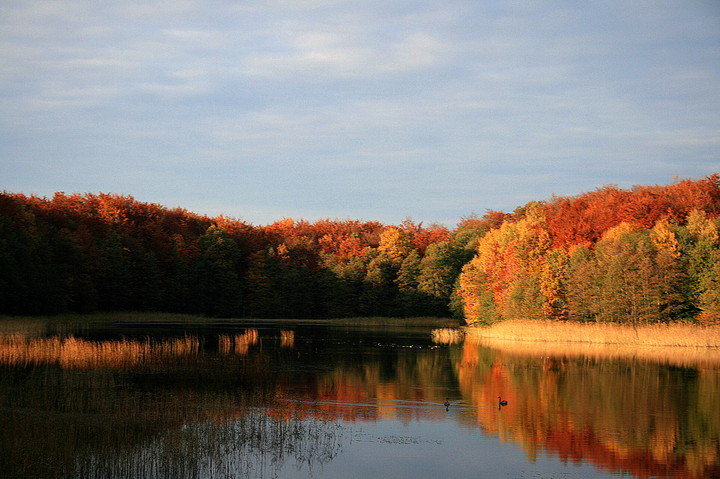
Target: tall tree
x,y
553,284
216,275
379,296
395,244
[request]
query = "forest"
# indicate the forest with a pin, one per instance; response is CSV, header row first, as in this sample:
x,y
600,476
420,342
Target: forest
x,y
647,254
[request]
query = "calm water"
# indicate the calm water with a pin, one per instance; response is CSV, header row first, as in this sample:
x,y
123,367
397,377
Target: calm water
x,y
323,400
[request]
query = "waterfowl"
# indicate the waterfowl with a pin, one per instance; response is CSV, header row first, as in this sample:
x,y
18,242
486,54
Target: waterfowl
x,y
447,403
502,402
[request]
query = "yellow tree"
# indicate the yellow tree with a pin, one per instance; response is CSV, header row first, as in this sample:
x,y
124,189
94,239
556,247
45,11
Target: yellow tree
x,y
395,243
508,263
478,306
553,284
664,239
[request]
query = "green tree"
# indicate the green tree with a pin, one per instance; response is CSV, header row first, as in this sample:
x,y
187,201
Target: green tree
x,y
581,287
710,293
700,244
439,271
553,284
263,300
635,283
379,296
115,274
411,300
216,276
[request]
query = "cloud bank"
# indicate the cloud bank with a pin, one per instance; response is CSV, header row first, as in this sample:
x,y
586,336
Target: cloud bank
x,y
373,110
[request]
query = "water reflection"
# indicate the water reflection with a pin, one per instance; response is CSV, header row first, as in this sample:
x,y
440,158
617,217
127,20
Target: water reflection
x,y
622,414
257,401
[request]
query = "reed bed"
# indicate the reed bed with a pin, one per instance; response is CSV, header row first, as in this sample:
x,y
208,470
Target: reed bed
x,y
239,343
447,336
71,352
673,334
707,358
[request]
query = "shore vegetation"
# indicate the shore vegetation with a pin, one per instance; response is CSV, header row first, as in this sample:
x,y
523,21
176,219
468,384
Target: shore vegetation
x,y
666,334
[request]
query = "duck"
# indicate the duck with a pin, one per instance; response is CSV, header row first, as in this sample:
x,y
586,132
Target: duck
x,y
502,402
447,404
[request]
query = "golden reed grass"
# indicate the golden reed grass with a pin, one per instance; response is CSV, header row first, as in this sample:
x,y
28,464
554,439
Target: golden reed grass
x,y
287,339
682,345
71,352
676,356
447,335
239,343
672,334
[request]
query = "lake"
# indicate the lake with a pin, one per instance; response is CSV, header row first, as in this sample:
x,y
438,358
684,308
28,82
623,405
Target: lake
x,y
136,398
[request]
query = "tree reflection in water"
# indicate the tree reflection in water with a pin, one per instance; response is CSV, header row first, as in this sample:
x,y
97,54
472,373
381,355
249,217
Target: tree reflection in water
x,y
649,413
255,403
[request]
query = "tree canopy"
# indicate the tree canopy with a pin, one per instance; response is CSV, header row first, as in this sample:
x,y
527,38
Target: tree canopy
x,y
640,255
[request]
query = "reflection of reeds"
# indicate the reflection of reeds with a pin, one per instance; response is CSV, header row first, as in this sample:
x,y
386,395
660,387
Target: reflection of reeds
x,y
677,344
676,356
72,352
674,334
238,343
287,339
447,336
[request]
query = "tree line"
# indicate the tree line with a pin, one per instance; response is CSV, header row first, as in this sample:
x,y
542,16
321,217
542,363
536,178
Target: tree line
x,y
639,255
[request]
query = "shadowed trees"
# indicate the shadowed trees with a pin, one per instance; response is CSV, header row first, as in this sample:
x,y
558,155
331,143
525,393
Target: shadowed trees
x,y
646,254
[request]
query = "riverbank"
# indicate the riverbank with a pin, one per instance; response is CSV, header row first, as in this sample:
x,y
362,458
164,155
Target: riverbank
x,y
672,334
38,325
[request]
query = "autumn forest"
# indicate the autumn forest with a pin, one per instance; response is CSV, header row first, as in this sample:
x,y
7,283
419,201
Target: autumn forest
x,y
647,254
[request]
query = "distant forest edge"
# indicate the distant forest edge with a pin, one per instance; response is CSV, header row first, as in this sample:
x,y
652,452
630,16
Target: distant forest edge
x,y
642,255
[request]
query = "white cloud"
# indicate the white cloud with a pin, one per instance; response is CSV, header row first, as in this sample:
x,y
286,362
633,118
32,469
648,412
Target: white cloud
x,y
429,96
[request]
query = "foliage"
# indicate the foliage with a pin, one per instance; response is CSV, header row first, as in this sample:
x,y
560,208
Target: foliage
x,y
647,254
636,256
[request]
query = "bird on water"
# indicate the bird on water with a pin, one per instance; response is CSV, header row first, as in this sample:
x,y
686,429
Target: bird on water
x,y
447,404
501,402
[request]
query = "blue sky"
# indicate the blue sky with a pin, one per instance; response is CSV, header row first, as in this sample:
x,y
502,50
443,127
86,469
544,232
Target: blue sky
x,y
375,110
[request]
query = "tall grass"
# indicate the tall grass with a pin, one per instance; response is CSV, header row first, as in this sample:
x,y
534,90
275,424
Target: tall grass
x,y
239,343
71,352
672,334
287,338
683,345
447,335
708,358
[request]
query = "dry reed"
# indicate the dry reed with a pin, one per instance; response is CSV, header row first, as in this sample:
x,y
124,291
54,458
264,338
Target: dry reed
x,y
447,336
673,334
239,343
677,356
71,352
287,339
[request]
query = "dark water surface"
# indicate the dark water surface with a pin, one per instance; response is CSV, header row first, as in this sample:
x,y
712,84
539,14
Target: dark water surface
x,y
330,400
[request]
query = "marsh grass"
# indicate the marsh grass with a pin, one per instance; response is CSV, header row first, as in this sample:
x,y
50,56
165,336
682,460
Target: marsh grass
x,y
673,334
447,335
683,345
71,352
287,338
238,343
675,356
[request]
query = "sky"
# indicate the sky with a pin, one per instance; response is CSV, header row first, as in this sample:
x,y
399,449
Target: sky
x,y
370,110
